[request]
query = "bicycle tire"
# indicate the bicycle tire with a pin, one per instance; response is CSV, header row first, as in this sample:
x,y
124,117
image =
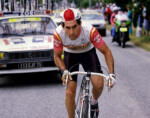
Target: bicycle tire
x,y
85,110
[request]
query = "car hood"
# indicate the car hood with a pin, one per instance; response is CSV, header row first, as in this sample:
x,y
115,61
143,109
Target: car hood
x,y
93,21
26,43
57,19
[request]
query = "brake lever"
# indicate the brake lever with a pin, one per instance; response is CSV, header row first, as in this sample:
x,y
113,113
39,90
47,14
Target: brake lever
x,y
109,86
66,85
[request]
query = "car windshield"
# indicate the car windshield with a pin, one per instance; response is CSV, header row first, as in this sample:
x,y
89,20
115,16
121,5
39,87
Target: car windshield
x,y
26,26
92,17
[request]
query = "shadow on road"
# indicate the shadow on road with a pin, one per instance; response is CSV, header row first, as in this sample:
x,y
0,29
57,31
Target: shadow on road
x,y
32,79
128,45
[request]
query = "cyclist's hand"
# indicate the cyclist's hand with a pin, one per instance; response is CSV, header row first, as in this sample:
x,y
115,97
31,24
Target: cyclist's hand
x,y
111,81
64,76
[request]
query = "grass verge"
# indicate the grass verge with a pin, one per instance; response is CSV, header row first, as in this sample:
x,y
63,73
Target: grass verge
x,y
143,41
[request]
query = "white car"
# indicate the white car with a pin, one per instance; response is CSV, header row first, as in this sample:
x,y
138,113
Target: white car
x,y
96,19
57,18
26,44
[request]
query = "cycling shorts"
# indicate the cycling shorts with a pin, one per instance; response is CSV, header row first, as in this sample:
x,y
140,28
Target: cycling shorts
x,y
89,61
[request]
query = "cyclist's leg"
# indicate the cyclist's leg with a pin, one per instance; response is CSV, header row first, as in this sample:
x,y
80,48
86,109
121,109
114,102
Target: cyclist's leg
x,y
98,84
70,99
92,63
70,61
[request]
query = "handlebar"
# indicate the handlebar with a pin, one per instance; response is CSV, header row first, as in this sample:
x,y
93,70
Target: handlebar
x,y
91,73
107,77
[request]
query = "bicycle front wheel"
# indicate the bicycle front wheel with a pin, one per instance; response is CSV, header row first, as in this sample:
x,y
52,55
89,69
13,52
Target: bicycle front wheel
x,y
85,108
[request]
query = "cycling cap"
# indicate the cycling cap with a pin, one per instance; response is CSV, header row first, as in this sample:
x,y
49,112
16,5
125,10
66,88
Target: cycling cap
x,y
70,14
116,9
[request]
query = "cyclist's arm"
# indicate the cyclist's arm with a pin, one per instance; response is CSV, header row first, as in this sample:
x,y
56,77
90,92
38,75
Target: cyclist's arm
x,y
58,49
58,60
99,43
108,57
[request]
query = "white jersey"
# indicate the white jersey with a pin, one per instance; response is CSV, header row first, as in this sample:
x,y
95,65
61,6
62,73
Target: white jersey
x,y
87,39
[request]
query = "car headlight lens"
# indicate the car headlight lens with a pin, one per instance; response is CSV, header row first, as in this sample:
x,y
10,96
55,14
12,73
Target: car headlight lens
x,y
3,56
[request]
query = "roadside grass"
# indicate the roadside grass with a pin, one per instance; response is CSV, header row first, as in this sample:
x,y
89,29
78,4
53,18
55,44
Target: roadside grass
x,y
143,41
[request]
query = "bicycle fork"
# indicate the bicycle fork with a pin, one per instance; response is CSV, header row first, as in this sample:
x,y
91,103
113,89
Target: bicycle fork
x,y
86,95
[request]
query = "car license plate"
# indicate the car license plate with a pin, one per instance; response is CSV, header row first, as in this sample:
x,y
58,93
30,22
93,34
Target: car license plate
x,y
30,65
124,29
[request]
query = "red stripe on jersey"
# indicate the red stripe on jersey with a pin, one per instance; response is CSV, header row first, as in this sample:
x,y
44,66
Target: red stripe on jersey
x,y
96,38
57,43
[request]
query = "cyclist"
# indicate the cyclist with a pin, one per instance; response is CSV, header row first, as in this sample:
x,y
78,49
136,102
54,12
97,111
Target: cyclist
x,y
112,20
79,42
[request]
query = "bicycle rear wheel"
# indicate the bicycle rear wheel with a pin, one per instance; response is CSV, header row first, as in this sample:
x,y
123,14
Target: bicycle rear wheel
x,y
85,108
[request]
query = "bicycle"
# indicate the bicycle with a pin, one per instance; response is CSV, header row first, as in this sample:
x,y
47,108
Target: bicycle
x,y
84,98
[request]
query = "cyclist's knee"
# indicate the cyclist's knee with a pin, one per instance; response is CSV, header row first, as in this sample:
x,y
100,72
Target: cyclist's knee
x,y
70,93
98,83
99,87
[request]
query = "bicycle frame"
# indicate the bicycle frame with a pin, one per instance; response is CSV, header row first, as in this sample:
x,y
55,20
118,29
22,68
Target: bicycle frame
x,y
83,95
85,91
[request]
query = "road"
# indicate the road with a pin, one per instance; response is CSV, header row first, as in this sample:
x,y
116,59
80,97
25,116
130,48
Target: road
x,y
40,96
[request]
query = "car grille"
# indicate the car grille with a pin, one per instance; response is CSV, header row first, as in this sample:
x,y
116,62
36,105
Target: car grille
x,y
31,54
95,25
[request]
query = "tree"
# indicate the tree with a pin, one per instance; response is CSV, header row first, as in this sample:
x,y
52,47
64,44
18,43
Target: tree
x,y
121,3
84,3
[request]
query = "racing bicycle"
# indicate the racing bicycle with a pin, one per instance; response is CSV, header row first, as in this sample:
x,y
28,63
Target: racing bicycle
x,y
83,106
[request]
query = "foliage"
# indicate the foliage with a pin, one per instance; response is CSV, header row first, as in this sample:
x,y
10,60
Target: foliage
x,y
85,3
143,41
121,3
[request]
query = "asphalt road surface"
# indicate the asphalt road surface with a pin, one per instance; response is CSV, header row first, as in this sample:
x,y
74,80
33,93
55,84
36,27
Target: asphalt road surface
x,y
41,96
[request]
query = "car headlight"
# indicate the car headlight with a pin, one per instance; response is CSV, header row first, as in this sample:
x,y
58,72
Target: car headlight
x,y
3,56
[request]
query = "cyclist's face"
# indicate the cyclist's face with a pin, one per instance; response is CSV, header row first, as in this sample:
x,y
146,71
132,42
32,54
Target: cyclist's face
x,y
72,29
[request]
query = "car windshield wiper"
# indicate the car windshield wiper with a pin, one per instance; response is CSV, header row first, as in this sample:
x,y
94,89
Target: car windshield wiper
x,y
33,32
3,35
49,33
38,33
7,35
15,34
44,33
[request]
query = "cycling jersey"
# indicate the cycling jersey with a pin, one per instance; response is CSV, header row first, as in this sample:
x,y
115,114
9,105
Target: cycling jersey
x,y
88,38
112,19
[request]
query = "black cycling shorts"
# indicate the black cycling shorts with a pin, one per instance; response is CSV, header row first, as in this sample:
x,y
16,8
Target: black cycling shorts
x,y
89,61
